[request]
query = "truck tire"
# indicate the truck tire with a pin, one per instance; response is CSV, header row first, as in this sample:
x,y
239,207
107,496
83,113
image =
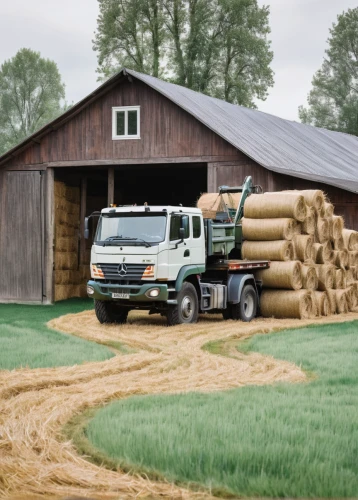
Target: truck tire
x,y
187,308
110,312
247,307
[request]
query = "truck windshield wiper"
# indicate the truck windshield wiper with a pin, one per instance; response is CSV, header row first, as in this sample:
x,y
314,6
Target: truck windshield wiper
x,y
121,238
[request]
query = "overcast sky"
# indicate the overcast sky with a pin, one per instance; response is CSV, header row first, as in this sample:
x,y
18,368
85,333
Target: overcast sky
x,y
63,31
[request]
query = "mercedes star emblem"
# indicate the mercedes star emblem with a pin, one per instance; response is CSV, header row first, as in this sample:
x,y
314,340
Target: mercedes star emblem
x,y
122,270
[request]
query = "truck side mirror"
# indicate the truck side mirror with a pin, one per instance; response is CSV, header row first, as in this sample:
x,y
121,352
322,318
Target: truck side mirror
x,y
86,231
181,233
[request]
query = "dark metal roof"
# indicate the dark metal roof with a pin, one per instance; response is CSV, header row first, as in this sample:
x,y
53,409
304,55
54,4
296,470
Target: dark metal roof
x,y
279,145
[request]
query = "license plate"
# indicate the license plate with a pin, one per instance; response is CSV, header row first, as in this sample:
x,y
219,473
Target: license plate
x,y
120,295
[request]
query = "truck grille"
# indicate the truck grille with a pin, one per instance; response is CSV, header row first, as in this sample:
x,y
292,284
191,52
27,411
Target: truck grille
x,y
127,272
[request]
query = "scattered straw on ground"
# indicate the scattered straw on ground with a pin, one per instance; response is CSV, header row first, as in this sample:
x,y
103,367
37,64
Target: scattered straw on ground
x,y
36,404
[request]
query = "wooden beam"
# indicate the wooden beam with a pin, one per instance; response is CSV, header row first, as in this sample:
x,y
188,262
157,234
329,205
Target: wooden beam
x,y
35,166
140,161
83,209
110,197
211,178
49,235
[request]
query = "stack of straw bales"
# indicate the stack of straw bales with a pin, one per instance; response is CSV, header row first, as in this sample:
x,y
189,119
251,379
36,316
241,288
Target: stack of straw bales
x,y
70,278
314,268
211,203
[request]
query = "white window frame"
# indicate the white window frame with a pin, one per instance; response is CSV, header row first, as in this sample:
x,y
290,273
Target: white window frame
x,y
114,122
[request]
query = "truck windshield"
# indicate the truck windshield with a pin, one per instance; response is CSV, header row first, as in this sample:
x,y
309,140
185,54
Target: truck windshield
x,y
124,227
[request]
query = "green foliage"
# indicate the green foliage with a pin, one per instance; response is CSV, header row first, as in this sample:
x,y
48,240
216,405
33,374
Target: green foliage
x,y
217,47
284,440
333,100
31,91
25,340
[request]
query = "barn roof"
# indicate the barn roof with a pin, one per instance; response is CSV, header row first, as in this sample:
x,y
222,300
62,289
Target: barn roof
x,y
283,146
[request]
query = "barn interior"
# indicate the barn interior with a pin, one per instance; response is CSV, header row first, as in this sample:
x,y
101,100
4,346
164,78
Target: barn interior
x,y
80,192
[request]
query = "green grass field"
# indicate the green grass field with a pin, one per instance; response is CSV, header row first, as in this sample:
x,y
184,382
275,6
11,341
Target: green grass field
x,y
25,340
298,440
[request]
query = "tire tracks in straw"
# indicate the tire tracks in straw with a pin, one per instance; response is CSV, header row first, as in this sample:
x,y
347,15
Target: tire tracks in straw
x,y
35,404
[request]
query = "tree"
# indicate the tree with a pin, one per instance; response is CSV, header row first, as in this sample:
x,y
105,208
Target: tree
x,y
218,47
333,100
31,91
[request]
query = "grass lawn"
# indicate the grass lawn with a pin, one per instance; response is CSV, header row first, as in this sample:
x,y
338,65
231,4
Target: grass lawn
x,y
25,340
283,440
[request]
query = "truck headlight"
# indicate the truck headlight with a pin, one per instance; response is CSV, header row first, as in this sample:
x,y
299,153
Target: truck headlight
x,y
90,290
152,292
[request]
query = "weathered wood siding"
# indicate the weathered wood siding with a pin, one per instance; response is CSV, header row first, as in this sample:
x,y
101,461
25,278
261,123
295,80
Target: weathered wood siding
x,y
21,237
166,131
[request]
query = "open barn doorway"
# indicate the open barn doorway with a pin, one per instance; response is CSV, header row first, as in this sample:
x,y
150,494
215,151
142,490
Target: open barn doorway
x,y
160,184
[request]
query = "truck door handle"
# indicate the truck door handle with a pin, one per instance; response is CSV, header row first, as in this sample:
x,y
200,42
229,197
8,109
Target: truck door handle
x,y
187,253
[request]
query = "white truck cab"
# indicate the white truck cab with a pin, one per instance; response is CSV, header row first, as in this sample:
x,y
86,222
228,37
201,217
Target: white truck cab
x,y
169,260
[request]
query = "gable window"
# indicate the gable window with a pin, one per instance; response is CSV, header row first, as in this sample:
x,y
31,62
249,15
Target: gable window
x,y
126,122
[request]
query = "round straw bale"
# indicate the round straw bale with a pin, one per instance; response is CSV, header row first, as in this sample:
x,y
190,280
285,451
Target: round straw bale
x,y
338,282
338,243
350,239
275,205
328,209
286,275
350,277
313,197
67,277
66,260
338,225
330,227
354,295
353,258
344,278
323,305
331,294
354,272
272,250
287,304
341,301
268,229
309,277
326,276
340,258
308,226
317,253
218,202
303,247
322,230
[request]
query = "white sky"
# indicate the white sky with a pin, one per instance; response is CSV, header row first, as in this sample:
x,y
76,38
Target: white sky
x,y
63,31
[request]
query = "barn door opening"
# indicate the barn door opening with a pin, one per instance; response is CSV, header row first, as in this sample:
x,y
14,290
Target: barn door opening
x,y
21,241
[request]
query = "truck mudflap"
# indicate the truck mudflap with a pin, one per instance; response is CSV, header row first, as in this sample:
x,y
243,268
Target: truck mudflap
x,y
235,285
132,293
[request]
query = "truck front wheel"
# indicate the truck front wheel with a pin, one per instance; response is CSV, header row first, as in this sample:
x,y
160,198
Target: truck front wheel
x,y
187,308
110,312
247,307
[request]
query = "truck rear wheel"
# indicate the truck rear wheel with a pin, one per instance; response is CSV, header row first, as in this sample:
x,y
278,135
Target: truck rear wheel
x,y
187,308
247,307
110,312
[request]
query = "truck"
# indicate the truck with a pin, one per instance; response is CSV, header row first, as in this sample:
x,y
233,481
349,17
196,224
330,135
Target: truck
x,y
172,261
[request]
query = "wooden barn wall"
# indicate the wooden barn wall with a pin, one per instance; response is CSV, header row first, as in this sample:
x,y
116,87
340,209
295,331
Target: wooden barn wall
x,y
167,131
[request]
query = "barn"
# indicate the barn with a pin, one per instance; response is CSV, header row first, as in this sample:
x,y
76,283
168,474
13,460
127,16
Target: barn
x,y
139,139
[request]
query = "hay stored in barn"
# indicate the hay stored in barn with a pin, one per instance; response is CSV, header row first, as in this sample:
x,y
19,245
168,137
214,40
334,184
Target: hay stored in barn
x,y
313,198
326,276
287,304
274,206
267,250
211,203
342,301
322,230
303,247
308,226
268,229
286,275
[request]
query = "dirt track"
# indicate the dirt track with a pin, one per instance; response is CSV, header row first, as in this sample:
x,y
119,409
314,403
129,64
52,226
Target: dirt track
x,y
36,404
